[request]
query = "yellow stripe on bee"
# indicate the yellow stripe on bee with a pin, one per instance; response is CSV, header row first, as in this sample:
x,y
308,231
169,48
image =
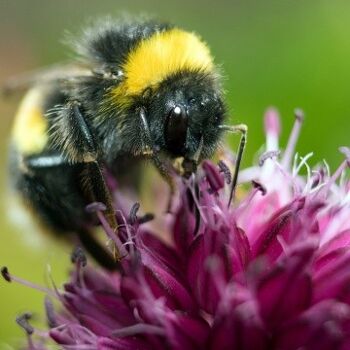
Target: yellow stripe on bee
x,y
30,127
161,55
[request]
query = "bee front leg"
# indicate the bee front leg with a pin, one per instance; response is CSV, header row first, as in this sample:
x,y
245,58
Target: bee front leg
x,y
164,172
72,135
158,163
243,130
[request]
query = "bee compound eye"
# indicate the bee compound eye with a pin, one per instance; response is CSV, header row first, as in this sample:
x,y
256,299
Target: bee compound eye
x,y
176,125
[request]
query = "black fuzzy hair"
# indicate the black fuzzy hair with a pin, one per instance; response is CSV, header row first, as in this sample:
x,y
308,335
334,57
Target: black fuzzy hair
x,y
107,43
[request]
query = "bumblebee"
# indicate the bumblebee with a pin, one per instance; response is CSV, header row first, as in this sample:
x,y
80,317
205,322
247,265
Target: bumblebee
x,y
139,90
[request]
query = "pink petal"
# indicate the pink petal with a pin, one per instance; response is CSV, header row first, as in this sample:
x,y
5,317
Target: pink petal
x,y
333,279
94,325
238,328
183,228
160,251
286,290
214,177
340,241
284,224
163,284
325,326
188,333
122,344
200,273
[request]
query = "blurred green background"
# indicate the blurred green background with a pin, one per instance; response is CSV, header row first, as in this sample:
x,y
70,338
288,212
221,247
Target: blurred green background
x,y
273,52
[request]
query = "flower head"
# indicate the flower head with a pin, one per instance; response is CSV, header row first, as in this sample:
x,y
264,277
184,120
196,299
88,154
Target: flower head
x,y
269,272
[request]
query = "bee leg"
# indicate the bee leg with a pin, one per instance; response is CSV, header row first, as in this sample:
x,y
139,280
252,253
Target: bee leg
x,y
96,189
78,145
96,250
35,165
243,130
160,166
163,171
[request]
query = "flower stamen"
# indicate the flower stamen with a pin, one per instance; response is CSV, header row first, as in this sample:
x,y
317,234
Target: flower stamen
x,y
293,138
10,278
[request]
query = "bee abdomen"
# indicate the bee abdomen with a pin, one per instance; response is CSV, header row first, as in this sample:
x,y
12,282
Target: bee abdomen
x,y
29,133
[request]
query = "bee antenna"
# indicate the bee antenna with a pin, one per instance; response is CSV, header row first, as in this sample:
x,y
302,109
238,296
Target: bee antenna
x,y
243,130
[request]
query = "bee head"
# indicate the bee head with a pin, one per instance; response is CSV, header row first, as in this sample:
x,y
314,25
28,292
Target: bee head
x,y
184,115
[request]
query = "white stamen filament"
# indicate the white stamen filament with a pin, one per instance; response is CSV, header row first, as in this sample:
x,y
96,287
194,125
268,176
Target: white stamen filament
x,y
293,138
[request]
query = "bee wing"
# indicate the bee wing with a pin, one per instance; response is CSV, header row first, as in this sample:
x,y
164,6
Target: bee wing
x,y
52,73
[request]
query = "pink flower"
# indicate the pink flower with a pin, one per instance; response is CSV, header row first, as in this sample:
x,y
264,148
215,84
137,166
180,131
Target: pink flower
x,y
270,272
